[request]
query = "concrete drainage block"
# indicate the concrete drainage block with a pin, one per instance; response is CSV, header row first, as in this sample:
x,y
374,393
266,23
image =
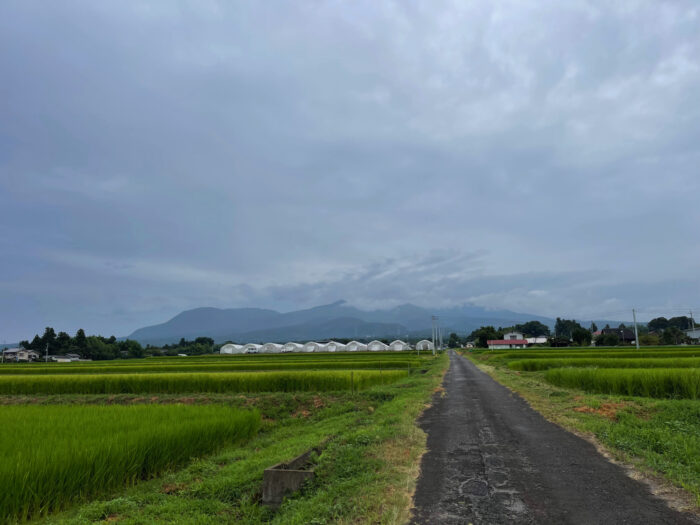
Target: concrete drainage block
x,y
286,478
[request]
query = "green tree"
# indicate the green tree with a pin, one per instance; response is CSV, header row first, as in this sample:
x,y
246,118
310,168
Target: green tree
x,y
80,341
49,338
581,337
453,341
63,343
483,334
649,340
593,328
672,336
566,327
607,340
533,329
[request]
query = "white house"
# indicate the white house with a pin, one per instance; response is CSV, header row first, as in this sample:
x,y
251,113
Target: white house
x,y
376,346
231,348
355,346
513,335
271,348
293,347
334,346
424,345
251,348
399,345
313,346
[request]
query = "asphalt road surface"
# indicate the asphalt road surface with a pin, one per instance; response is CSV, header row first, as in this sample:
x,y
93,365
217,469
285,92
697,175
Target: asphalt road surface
x,y
493,459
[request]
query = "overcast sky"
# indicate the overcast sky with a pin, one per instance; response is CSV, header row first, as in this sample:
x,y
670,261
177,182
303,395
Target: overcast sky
x,y
539,156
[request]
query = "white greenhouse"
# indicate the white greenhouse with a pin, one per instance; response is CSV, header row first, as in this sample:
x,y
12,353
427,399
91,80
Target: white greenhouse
x,y
271,348
231,348
313,346
399,345
424,345
376,346
334,346
251,348
355,346
293,347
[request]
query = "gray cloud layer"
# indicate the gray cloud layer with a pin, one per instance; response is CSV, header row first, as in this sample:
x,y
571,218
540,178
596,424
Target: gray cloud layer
x,y
538,156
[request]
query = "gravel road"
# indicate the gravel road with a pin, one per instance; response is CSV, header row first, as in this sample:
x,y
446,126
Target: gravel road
x,y
492,459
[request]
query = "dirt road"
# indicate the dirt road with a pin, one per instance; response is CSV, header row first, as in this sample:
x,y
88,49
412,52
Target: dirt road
x,y
492,459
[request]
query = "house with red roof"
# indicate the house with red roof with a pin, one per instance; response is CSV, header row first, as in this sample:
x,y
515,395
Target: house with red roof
x,y
510,340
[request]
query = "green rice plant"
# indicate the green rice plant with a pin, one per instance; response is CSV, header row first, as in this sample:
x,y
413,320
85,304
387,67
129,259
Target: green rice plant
x,y
197,382
139,368
577,354
673,383
532,365
54,455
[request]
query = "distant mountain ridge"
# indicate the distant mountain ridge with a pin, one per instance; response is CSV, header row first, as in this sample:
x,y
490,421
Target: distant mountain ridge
x,y
337,320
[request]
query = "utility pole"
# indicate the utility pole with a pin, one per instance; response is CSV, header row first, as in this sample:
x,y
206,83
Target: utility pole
x,y
46,359
435,333
692,321
636,333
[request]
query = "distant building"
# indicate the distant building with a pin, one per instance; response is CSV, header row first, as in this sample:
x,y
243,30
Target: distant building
x,y
693,334
399,345
513,336
505,344
377,346
624,334
251,348
20,355
271,348
539,340
231,348
334,346
425,345
355,346
293,347
313,346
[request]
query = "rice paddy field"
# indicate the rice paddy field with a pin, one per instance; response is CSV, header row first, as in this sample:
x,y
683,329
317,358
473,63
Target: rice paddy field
x,y
184,440
642,405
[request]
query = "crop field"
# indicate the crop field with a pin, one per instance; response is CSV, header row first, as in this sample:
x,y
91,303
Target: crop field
x,y
55,454
644,405
85,442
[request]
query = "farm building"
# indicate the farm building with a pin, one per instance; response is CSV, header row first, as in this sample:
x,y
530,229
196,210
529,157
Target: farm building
x,y
271,348
251,348
399,345
293,347
539,340
425,345
355,346
313,346
504,344
231,348
334,346
20,354
376,346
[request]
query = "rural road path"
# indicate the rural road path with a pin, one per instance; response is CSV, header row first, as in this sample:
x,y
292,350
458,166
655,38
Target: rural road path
x,y
493,459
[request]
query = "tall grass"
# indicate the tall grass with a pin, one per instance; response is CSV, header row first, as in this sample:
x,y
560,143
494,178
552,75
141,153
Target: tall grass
x,y
197,382
53,455
532,365
577,354
670,383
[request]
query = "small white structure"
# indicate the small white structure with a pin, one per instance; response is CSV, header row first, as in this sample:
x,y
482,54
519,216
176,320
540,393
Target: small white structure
x,y
355,346
510,336
399,345
292,347
251,348
376,346
231,348
334,346
313,346
424,344
271,348
539,340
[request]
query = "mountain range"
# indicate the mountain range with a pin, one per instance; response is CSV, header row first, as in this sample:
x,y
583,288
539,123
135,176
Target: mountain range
x,y
336,320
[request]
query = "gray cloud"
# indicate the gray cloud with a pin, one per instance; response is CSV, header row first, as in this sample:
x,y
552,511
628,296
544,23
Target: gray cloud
x,y
538,156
